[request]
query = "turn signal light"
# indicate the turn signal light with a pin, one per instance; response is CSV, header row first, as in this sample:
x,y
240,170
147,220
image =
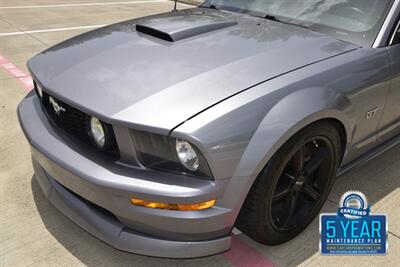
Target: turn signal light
x,y
168,206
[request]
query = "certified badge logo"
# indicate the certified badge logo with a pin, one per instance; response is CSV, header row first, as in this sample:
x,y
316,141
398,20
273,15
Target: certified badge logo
x,y
353,205
353,230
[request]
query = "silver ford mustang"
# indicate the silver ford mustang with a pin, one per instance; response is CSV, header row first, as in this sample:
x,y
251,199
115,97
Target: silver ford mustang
x,y
158,135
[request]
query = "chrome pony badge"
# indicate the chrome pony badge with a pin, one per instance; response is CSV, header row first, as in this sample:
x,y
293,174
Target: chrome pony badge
x,y
56,106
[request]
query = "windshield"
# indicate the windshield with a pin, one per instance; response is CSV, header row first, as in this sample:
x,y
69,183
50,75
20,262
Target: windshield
x,y
356,21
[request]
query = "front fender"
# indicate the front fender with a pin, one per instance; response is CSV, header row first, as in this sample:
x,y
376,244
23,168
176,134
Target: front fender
x,y
239,139
240,135
286,118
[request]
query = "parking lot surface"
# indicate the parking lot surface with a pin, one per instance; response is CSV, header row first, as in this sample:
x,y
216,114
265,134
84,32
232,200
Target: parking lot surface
x,y
33,233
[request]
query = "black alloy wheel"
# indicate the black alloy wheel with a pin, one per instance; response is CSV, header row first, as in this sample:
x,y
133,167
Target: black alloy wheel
x,y
299,187
292,188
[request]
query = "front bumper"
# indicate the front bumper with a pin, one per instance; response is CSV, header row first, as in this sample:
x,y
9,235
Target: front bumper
x,y
96,194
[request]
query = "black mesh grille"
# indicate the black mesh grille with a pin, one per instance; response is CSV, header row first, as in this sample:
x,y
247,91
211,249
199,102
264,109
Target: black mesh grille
x,y
67,118
73,121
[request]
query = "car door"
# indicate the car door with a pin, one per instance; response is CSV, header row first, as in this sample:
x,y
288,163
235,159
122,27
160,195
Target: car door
x,y
390,122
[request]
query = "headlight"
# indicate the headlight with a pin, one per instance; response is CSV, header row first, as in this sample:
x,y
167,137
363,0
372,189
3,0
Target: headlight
x,y
187,155
171,154
100,134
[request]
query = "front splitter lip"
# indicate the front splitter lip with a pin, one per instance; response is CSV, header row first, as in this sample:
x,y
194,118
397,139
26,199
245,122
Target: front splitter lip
x,y
115,234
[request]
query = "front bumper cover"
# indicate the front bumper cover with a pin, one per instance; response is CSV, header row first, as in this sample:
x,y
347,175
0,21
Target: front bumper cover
x,y
82,190
111,231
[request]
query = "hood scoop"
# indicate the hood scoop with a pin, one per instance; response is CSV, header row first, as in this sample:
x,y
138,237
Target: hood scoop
x,y
180,27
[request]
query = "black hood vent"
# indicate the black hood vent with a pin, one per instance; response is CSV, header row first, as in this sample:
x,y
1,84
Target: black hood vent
x,y
154,32
177,28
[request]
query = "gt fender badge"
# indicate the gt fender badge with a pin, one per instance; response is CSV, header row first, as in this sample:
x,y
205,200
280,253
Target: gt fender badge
x,y
370,114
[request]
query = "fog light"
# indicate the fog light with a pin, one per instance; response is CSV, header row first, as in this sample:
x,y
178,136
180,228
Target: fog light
x,y
97,132
187,155
168,206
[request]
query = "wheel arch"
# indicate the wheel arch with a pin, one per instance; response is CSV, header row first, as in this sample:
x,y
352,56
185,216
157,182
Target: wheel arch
x,y
283,121
287,117
313,119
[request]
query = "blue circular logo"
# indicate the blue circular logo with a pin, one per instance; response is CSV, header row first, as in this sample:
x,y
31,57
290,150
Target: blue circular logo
x,y
353,205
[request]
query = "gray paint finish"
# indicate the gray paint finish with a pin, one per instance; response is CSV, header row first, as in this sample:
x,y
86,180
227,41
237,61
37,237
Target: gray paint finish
x,y
390,123
238,93
148,83
115,233
245,126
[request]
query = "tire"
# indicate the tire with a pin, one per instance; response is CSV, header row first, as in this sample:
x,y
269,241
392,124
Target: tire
x,y
258,216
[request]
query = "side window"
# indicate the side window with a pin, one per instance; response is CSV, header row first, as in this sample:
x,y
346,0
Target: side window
x,y
396,35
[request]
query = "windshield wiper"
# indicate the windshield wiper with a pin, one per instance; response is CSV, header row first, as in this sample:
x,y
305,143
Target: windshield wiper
x,y
277,19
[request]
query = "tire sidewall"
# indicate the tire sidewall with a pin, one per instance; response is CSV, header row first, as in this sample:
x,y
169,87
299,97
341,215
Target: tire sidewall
x,y
269,177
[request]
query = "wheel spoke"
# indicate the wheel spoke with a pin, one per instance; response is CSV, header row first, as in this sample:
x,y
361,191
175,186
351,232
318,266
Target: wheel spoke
x,y
301,184
298,161
292,179
282,194
289,209
288,187
316,160
311,192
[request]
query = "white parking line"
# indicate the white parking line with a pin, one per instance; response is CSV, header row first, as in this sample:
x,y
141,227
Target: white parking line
x,y
83,4
51,30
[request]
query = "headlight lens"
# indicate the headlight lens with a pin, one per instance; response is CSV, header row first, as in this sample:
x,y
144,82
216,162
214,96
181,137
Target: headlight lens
x,y
187,155
97,132
171,154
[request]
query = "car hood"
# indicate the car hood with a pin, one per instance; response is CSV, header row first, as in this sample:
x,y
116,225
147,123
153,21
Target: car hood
x,y
158,71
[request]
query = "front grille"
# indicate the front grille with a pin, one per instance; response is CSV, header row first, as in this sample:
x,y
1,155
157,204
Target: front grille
x,y
74,122
66,117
